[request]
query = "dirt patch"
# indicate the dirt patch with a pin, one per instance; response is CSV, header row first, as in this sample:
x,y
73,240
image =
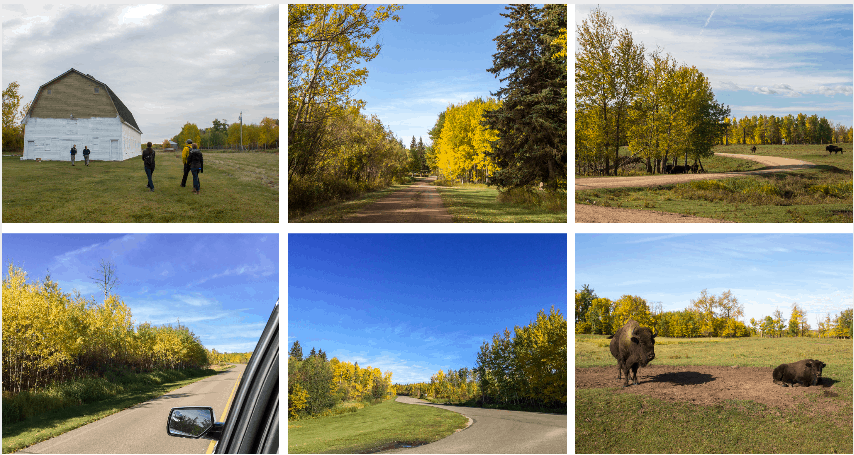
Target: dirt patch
x,y
417,203
715,385
592,214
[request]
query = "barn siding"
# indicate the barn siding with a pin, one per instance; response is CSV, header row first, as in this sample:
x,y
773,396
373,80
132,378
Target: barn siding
x,y
51,139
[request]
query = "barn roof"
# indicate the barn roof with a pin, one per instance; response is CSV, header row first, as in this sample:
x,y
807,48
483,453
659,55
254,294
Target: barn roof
x,y
124,112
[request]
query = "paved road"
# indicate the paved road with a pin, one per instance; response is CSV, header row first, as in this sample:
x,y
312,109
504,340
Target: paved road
x,y
417,203
497,431
142,428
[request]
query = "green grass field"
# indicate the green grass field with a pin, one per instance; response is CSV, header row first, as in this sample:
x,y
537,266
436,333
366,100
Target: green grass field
x,y
610,422
383,426
235,188
51,412
819,195
478,203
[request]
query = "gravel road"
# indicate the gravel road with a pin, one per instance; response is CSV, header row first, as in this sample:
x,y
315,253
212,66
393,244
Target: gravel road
x,y
589,214
142,428
498,431
417,203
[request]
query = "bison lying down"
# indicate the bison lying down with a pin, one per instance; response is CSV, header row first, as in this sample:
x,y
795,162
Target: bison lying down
x,y
804,373
632,346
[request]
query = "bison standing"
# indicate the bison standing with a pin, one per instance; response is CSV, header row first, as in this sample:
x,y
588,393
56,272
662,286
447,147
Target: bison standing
x,y
632,346
804,373
833,149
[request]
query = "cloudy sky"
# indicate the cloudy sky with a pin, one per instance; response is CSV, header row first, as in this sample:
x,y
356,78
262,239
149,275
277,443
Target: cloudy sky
x,y
415,304
765,272
169,64
760,59
434,56
223,287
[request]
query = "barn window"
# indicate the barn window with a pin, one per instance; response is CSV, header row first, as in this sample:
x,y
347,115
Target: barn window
x,y
48,91
96,89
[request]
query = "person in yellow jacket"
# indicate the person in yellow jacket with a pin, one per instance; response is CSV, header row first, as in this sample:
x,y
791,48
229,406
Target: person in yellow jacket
x,y
184,155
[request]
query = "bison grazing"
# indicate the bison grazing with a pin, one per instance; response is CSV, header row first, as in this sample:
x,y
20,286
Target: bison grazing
x,y
632,346
753,149
804,373
833,149
679,169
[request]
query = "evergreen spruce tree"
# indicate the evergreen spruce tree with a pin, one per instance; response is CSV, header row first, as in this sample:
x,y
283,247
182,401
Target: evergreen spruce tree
x,y
296,351
531,123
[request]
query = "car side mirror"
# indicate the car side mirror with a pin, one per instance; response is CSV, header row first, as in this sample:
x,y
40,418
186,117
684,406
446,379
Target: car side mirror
x,y
193,422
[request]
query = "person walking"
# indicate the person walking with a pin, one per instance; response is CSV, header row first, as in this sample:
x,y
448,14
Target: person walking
x,y
86,152
196,163
148,162
73,153
184,155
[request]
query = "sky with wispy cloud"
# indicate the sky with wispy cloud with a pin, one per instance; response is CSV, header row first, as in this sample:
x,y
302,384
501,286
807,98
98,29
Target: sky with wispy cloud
x,y
765,272
434,56
169,64
223,287
760,59
413,304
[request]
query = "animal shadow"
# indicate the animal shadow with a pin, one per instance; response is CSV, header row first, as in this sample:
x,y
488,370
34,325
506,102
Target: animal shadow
x,y
683,378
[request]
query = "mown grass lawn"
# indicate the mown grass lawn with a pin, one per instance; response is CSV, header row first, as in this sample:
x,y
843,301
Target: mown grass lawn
x,y
235,188
373,428
607,422
477,203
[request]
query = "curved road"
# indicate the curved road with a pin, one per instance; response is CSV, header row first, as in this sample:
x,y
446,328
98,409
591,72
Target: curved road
x,y
498,431
417,203
142,428
773,163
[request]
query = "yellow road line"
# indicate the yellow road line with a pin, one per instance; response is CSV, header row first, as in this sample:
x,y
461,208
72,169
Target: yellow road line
x,y
225,411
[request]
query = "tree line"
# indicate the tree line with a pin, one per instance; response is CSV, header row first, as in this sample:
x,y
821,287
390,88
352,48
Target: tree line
x,y
706,316
661,109
316,385
526,367
221,135
517,139
789,129
51,336
13,115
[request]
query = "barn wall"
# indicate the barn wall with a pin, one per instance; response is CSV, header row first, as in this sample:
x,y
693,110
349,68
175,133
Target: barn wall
x,y
73,95
51,139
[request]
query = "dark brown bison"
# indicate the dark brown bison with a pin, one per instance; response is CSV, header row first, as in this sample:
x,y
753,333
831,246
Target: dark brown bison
x,y
753,149
632,346
833,149
803,373
679,169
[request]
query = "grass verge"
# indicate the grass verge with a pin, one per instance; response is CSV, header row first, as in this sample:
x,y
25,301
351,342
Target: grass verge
x,y
235,188
61,408
606,422
381,427
336,211
477,203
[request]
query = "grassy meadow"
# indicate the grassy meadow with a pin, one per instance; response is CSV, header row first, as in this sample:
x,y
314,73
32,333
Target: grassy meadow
x,y
236,187
479,203
738,426
384,426
38,415
819,195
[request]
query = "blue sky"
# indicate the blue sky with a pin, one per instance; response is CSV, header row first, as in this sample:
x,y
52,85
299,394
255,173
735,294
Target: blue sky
x,y
434,56
760,59
764,271
415,304
223,287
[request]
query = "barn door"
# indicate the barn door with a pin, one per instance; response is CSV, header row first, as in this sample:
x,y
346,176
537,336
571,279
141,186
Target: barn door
x,y
114,150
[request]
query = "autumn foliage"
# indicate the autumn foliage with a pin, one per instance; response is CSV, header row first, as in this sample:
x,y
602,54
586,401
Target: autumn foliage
x,y
50,336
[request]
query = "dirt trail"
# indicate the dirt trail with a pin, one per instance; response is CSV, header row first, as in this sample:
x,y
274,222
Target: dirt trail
x,y
417,203
590,214
713,385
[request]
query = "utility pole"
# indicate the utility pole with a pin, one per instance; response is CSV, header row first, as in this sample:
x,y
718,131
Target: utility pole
x,y
241,130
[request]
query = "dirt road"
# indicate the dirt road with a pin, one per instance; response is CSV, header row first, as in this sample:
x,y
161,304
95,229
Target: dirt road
x,y
417,203
498,431
142,428
589,214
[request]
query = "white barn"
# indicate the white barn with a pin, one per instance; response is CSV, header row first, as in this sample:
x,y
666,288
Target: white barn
x,y
75,108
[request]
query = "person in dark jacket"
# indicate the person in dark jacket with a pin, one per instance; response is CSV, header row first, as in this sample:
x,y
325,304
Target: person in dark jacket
x,y
73,153
86,152
196,162
148,161
184,154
